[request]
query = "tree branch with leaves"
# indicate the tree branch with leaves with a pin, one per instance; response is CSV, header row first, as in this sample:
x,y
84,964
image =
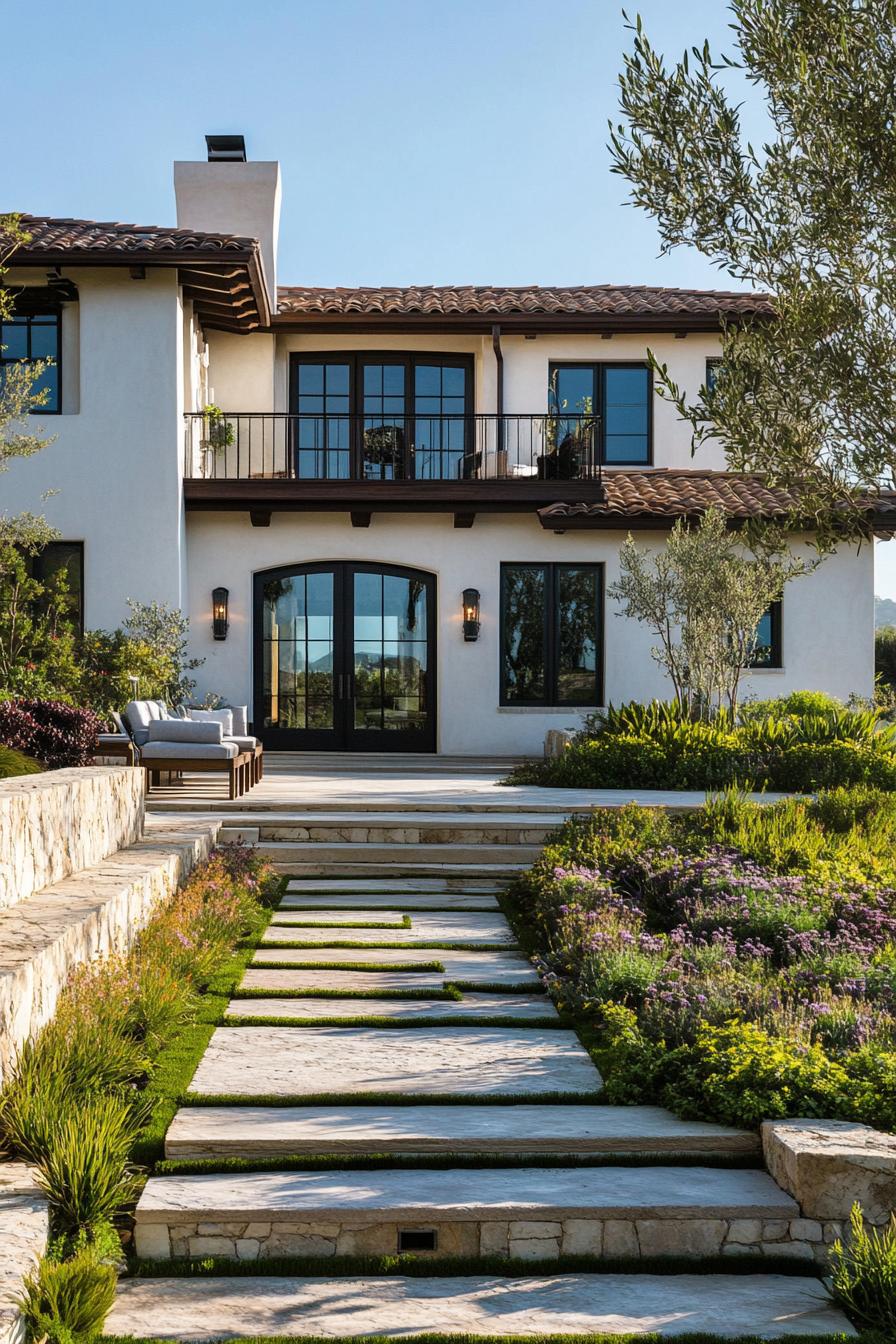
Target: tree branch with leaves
x,y
807,398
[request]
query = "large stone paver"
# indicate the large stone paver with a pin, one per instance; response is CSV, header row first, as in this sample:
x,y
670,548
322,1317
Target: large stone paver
x,y
204,1131
374,901
481,968
310,1061
475,1194
537,1006
345,919
347,982
387,886
426,927
767,1306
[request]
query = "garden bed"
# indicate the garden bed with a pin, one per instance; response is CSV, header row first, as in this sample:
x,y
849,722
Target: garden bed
x,y
736,964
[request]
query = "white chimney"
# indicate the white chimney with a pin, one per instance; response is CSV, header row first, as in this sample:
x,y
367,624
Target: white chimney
x,y
229,195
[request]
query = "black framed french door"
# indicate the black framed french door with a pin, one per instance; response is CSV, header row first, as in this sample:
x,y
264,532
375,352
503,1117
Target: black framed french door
x,y
345,657
381,416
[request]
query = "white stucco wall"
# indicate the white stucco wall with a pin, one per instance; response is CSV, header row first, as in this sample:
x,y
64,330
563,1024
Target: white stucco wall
x,y
116,463
827,617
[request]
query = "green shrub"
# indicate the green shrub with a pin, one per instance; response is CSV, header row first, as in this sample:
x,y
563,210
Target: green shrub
x,y
630,1064
67,1303
797,704
863,1274
871,1088
885,655
84,1172
14,763
740,1074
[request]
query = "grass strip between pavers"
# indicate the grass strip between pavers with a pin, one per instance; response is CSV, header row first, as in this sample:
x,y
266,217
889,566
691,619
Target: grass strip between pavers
x,y
549,1022
692,1337
433,945
463,1266
311,1162
595,1098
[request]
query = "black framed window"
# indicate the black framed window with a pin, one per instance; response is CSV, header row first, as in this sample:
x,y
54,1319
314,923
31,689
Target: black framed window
x,y
551,634
64,559
768,643
620,395
32,336
381,416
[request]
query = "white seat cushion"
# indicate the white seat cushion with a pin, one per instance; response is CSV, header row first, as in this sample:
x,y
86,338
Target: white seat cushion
x,y
240,720
244,743
188,751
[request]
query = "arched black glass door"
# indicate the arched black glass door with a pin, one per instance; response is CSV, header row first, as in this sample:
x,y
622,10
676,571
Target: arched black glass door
x,y
345,658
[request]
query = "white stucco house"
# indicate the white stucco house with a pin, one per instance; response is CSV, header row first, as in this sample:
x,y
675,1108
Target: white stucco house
x,y
384,457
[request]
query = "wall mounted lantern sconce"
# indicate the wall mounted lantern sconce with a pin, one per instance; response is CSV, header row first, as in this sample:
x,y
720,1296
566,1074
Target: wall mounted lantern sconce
x,y
220,622
471,614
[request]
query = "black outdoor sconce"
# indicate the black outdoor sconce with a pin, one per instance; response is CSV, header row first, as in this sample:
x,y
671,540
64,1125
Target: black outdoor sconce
x,y
219,612
471,614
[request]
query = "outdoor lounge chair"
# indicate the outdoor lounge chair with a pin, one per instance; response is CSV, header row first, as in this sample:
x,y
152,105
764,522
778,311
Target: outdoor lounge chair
x,y
199,740
180,744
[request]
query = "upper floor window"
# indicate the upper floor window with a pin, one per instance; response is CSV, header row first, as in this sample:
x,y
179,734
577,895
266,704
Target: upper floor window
x,y
619,395
382,417
712,365
33,336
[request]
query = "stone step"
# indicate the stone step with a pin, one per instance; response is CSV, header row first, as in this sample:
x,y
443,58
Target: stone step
x,y
465,967
375,901
426,928
389,886
537,1007
250,1131
417,827
521,1213
326,917
760,1306
460,873
309,1062
361,982
344,856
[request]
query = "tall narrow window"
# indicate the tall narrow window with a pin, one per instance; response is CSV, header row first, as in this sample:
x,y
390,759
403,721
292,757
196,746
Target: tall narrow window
x,y
618,395
64,561
29,337
551,634
768,642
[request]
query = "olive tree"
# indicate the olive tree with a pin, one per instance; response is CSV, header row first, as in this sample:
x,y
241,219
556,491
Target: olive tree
x,y
702,596
807,396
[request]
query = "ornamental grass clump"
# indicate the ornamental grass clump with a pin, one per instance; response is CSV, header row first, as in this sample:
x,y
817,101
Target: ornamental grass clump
x,y
67,1302
863,1273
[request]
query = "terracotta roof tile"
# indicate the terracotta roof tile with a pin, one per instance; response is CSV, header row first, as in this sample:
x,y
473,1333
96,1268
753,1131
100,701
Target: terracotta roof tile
x,y
526,300
669,494
74,236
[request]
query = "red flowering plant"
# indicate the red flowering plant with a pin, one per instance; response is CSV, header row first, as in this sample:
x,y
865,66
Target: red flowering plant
x,y
56,734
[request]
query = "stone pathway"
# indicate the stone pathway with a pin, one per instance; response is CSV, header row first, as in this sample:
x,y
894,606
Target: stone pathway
x,y
319,1080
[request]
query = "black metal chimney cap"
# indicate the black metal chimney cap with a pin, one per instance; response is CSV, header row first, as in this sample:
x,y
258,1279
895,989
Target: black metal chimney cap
x,y
226,148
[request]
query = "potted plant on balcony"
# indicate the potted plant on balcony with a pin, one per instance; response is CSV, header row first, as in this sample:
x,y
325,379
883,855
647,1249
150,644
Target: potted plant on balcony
x,y
568,438
218,433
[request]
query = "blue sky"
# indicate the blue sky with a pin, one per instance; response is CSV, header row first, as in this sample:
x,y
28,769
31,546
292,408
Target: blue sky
x,y
428,141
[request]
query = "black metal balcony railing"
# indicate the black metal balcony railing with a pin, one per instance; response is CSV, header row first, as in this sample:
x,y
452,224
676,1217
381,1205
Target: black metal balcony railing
x,y
271,446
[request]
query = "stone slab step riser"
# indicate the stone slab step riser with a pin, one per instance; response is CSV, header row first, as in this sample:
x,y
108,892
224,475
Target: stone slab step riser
x,y
456,873
761,1306
250,1131
371,904
429,833
335,852
538,1212
381,886
255,808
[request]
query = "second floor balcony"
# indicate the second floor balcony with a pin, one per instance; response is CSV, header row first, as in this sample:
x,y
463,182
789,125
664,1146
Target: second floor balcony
x,y
434,462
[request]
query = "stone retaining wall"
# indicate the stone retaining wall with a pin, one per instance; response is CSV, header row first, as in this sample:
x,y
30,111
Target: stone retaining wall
x,y
56,823
88,914
798,1238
